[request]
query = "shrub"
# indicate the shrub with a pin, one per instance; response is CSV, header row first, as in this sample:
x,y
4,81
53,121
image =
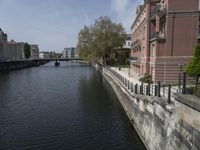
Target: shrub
x,y
146,79
193,68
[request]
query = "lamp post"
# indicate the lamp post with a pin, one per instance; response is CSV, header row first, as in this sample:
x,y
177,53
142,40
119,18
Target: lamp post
x,y
180,75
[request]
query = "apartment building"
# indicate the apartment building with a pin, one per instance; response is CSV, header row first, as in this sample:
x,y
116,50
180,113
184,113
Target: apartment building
x,y
164,36
69,52
34,49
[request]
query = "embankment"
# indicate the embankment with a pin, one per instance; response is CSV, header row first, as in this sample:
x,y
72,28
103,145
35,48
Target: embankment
x,y
161,126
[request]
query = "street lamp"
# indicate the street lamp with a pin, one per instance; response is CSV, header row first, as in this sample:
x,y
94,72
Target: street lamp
x,y
180,75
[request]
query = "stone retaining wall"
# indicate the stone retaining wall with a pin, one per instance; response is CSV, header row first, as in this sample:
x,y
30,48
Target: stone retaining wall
x,y
161,126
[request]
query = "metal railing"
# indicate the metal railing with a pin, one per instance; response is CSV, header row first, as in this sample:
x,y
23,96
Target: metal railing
x,y
155,90
189,84
156,35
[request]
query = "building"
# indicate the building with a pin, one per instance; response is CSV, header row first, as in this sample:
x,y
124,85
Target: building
x,y
122,53
14,51
3,41
127,43
164,36
44,55
34,49
69,52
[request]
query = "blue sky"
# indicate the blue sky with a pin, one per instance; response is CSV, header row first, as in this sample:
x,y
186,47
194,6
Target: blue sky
x,y
54,24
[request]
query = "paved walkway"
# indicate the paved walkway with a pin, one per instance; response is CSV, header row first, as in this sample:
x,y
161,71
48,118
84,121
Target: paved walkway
x,y
132,77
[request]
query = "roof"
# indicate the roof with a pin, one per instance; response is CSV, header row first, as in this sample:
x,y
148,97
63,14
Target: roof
x,y
12,42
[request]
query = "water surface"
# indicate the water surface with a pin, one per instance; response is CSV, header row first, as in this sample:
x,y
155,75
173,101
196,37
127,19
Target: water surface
x,y
70,107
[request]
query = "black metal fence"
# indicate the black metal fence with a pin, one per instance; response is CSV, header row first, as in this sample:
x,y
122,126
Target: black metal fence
x,y
189,84
158,90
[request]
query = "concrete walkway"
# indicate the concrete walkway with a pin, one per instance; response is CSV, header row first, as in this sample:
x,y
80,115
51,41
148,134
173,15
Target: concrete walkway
x,y
132,77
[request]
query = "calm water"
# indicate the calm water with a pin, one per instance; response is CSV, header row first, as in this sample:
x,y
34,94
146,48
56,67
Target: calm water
x,y
64,108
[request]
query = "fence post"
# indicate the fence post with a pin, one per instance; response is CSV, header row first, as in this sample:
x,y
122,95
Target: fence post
x,y
169,94
184,83
197,82
141,88
149,89
155,90
136,87
128,84
158,89
131,87
179,81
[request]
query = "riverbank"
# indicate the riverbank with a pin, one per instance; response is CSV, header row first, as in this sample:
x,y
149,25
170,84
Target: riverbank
x,y
161,125
15,65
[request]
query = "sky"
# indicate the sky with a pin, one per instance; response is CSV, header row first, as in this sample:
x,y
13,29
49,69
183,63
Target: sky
x,y
55,24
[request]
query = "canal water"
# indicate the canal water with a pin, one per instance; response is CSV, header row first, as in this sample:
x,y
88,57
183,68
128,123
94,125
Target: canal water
x,y
70,107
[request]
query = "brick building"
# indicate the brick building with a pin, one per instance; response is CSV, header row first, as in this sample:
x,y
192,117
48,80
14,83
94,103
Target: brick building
x,y
164,36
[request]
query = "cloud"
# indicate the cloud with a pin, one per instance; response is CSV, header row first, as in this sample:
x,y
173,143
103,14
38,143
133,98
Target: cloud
x,y
124,11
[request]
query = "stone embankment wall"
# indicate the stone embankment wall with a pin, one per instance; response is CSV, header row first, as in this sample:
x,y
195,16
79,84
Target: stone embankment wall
x,y
161,126
13,65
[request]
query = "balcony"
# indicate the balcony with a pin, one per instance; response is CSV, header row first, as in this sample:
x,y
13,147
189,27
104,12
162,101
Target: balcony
x,y
134,60
160,10
136,44
160,37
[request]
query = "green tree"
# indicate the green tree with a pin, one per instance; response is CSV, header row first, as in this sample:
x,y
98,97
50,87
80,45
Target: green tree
x,y
98,40
193,68
27,50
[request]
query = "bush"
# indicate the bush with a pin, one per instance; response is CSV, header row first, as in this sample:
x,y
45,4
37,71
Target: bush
x,y
193,68
146,79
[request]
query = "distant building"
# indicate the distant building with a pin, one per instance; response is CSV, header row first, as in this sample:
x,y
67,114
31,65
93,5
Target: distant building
x,y
69,52
122,53
127,43
44,55
14,51
34,51
3,42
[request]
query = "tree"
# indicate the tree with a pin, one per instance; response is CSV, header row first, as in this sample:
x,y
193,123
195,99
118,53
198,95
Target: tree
x,y
193,68
98,40
27,50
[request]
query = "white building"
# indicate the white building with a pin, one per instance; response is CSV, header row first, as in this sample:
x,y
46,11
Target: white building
x,y
69,52
44,55
127,41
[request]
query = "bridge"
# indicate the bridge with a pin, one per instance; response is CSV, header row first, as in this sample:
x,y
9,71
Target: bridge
x,y
57,59
19,64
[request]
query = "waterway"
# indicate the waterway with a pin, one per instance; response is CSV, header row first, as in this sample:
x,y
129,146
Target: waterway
x,y
70,107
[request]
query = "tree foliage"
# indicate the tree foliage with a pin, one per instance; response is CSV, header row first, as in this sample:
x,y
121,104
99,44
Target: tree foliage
x,y
146,79
193,68
27,51
98,40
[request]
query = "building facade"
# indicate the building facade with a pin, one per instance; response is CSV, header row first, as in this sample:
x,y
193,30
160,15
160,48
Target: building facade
x,y
164,36
34,49
3,41
14,51
69,52
44,55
